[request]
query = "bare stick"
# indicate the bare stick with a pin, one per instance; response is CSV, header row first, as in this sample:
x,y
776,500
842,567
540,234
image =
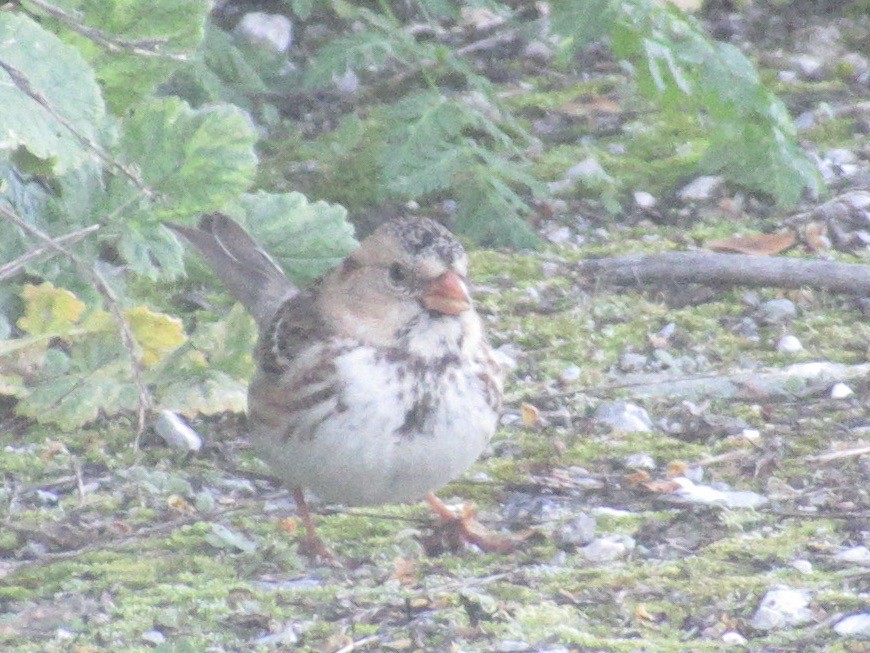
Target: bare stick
x,y
732,270
22,83
839,455
143,47
13,267
359,644
143,402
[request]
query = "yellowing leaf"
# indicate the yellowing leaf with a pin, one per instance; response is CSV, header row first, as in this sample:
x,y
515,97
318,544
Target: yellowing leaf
x,y
156,333
48,309
531,415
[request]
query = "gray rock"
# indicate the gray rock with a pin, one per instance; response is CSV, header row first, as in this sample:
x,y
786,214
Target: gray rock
x,y
153,637
841,391
782,607
775,311
538,51
632,362
284,637
578,531
701,189
271,31
855,625
346,84
588,170
609,547
808,67
857,555
623,416
789,344
640,461
570,374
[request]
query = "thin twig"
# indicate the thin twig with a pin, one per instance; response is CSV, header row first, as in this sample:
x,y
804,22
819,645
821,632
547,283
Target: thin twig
x,y
359,644
142,47
13,267
143,402
22,83
839,455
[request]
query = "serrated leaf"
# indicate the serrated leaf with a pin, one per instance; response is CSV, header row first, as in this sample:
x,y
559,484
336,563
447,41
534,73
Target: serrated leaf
x,y
305,238
156,333
71,400
210,392
229,343
126,76
49,310
59,74
151,251
194,159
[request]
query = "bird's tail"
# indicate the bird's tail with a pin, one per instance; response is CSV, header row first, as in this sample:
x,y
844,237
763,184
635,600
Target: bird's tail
x,y
248,272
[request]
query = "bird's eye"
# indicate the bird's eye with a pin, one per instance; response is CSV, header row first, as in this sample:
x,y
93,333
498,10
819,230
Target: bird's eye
x,y
398,274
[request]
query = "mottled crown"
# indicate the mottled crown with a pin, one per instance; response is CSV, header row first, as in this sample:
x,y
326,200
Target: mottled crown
x,y
423,236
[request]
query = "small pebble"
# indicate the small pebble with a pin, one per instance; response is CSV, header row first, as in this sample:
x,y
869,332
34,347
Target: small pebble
x,y
578,531
644,200
271,31
589,170
803,566
733,638
640,461
789,345
841,391
175,431
700,189
782,607
775,311
859,555
855,625
609,547
752,436
569,374
154,637
623,416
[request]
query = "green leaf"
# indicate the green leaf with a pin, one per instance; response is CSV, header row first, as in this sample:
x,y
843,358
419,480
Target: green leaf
x,y
175,26
229,343
58,74
151,251
305,238
194,159
209,392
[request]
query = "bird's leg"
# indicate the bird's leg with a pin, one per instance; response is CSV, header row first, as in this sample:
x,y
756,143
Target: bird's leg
x,y
466,528
311,545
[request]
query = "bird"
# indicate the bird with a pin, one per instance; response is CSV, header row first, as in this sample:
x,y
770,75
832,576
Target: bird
x,y
374,385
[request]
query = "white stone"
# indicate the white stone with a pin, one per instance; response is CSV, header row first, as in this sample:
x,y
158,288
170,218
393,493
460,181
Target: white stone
x,y
855,625
782,607
733,638
700,189
789,345
588,169
803,566
272,31
176,432
841,391
623,416
859,555
644,200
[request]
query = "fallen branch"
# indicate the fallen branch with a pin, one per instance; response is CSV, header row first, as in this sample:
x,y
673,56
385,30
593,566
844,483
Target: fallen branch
x,y
726,270
13,267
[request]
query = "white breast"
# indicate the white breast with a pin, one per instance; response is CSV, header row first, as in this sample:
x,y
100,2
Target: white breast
x,y
364,452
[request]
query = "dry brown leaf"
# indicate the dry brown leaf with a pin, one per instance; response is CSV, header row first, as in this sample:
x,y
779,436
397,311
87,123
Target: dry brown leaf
x,y
405,571
816,235
662,487
760,244
288,525
179,504
677,468
531,415
638,477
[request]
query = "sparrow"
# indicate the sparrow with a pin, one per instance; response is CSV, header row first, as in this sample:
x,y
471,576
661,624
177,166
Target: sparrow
x,y
376,384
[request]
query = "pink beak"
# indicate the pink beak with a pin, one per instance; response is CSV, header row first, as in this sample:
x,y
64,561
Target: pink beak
x,y
447,294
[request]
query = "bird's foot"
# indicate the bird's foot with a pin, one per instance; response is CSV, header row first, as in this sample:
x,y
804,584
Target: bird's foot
x,y
454,530
315,549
